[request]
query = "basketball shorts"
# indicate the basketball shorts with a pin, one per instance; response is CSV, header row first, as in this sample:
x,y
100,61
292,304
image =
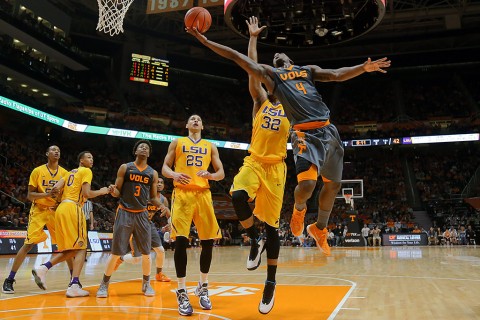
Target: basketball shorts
x,y
70,226
196,206
264,183
127,224
39,217
156,241
321,147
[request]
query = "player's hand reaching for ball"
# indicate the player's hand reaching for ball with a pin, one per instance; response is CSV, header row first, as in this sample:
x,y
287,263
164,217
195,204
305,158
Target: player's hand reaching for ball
x,y
377,65
253,28
194,32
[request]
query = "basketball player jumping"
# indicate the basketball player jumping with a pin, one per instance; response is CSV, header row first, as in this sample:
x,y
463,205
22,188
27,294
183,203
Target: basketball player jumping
x,y
262,176
317,147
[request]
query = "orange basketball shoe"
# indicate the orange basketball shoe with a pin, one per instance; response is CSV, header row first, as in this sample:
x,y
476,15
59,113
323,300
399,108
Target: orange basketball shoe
x,y
162,277
296,224
320,237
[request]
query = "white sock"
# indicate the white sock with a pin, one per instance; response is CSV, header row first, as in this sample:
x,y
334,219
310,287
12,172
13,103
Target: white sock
x,y
181,283
203,278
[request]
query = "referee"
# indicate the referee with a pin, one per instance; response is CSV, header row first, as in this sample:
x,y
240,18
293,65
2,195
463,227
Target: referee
x,y
88,211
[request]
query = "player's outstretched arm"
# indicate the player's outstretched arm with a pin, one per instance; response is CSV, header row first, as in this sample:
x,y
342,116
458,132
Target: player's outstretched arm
x,y
347,73
89,193
254,69
258,94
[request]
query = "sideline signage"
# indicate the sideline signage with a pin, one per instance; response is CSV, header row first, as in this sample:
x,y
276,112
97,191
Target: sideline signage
x,y
12,240
405,239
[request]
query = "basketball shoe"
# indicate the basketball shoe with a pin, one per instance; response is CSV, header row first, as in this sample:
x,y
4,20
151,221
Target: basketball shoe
x,y
297,222
103,290
147,289
162,277
201,291
255,257
8,286
320,237
268,298
184,306
40,274
75,290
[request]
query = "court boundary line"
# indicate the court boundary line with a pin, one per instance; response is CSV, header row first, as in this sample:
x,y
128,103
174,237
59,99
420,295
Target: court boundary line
x,y
128,307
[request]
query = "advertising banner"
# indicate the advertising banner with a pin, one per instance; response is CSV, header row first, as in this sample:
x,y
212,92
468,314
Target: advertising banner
x,y
411,239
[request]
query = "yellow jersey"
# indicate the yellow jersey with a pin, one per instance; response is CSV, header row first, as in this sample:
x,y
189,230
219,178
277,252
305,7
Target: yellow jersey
x,y
42,179
270,133
74,181
191,157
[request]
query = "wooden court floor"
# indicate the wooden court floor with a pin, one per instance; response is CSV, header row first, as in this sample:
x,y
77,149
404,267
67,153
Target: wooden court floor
x,y
365,283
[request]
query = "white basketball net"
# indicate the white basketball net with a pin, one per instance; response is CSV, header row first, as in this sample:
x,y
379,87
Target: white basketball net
x,y
111,14
349,200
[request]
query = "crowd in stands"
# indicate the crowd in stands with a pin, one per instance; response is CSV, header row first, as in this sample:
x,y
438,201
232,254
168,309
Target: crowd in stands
x,y
404,107
385,203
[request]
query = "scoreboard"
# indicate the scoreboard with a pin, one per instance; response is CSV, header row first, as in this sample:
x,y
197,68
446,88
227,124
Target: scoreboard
x,y
149,70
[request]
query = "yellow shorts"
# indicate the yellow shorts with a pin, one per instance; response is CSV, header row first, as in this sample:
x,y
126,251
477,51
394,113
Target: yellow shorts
x,y
265,183
196,206
71,227
40,216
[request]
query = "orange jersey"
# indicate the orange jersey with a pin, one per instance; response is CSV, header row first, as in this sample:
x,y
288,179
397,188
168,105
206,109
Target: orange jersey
x,y
42,179
270,133
74,181
191,157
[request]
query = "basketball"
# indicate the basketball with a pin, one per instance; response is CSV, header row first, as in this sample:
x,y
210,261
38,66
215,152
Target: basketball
x,y
198,17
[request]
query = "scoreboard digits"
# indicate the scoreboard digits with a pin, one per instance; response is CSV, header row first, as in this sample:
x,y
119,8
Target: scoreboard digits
x,y
149,70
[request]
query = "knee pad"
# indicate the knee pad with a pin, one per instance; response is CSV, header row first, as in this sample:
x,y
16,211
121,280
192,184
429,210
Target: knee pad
x,y
240,203
273,242
180,256
206,255
128,258
159,249
181,243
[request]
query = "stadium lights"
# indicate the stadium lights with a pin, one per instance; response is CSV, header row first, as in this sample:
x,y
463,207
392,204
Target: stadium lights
x,y
321,32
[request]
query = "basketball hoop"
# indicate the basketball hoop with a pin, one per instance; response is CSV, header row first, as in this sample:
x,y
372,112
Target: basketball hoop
x,y
348,198
111,14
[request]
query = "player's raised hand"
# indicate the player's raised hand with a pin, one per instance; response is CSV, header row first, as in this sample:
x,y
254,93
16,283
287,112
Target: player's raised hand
x,y
253,28
194,32
377,65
